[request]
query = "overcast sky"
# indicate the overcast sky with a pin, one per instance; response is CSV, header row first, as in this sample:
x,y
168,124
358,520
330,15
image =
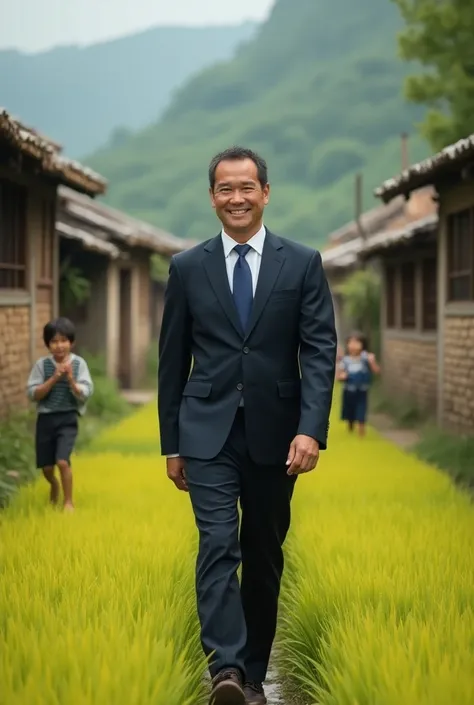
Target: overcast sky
x,y
33,25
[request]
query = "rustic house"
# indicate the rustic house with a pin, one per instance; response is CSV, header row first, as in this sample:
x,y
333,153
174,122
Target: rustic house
x,y
405,254
429,287
112,252
399,242
341,256
31,167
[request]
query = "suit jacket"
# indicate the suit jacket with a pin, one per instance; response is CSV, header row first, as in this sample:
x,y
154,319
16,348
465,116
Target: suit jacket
x,y
283,364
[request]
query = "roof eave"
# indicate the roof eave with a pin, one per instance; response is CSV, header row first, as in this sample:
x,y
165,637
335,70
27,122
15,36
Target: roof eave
x,y
121,227
429,171
386,241
88,241
64,171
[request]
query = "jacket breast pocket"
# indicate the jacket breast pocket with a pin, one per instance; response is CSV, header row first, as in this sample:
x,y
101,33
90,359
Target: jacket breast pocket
x,y
196,388
281,295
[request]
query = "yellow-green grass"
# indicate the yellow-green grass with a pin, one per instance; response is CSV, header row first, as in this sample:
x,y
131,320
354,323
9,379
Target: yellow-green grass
x,y
137,433
98,607
378,599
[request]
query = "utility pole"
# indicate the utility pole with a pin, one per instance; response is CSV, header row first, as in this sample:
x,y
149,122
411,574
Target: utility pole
x,y
358,216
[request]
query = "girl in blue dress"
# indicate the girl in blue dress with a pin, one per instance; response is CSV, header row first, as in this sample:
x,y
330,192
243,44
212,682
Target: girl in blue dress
x,y
356,370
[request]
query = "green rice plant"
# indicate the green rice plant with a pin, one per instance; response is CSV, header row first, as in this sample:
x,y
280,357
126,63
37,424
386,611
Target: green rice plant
x,y
378,598
98,607
137,433
17,465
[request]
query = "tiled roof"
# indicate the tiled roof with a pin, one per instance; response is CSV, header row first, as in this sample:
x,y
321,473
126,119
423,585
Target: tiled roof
x,y
427,171
48,153
87,240
418,216
371,221
384,240
116,225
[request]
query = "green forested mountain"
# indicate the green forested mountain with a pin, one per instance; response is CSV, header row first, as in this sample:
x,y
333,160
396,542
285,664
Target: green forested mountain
x,y
318,91
80,95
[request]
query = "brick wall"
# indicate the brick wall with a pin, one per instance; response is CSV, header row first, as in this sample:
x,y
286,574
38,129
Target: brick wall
x,y
458,382
15,344
14,357
409,369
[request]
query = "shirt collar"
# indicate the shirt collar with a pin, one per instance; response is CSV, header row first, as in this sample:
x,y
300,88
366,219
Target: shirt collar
x,y
256,242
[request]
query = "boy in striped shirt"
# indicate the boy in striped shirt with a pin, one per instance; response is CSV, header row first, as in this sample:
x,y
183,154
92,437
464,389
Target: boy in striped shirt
x,y
60,383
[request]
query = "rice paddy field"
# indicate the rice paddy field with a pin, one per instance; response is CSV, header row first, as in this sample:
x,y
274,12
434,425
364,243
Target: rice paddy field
x,y
97,607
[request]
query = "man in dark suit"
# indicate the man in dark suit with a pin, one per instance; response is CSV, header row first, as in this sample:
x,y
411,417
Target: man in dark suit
x,y
246,373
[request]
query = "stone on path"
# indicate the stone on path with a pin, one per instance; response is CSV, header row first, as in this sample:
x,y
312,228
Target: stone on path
x,y
272,688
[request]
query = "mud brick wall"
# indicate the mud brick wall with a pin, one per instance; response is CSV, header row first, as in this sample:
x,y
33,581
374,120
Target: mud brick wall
x,y
410,370
14,357
458,378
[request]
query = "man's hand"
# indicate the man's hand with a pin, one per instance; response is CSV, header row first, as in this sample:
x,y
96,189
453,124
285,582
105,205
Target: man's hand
x,y
175,472
303,455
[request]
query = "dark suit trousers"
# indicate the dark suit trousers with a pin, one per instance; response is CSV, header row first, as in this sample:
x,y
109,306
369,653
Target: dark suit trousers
x,y
238,623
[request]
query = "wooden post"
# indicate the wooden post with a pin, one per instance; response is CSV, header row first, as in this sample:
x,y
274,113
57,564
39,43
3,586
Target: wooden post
x,y
32,244
358,216
358,204
56,273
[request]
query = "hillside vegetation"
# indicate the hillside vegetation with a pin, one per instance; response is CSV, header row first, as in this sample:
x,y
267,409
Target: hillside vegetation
x,y
80,95
318,91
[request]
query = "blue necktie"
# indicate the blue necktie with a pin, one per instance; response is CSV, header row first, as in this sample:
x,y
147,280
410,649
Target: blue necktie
x,y
242,288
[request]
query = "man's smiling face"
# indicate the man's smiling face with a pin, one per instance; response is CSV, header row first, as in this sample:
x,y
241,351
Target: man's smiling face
x,y
238,197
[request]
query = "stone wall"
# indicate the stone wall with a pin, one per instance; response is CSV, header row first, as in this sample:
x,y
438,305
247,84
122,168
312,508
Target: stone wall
x,y
14,357
409,369
458,378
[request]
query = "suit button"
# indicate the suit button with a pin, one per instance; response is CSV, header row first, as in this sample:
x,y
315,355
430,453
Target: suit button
x,y
246,351
240,386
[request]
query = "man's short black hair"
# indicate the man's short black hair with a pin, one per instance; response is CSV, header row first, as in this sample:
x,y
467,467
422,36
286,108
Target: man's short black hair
x,y
239,153
59,326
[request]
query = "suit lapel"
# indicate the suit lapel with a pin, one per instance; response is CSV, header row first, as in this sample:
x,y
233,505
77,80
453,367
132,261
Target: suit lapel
x,y
270,266
214,264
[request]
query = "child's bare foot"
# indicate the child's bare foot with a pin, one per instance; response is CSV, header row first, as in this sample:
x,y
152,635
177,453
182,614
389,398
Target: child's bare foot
x,y
68,507
54,492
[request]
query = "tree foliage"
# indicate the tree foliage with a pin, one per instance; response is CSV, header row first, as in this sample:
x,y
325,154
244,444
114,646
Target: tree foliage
x,y
439,34
74,286
159,267
361,302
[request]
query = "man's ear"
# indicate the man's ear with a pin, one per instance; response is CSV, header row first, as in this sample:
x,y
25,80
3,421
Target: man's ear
x,y
266,193
211,196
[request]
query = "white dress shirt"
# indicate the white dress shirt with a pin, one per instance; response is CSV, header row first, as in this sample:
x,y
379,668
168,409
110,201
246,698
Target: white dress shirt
x,y
253,258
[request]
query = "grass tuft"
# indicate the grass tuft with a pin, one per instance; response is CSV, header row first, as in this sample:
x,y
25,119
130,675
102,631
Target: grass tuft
x,y
98,607
378,604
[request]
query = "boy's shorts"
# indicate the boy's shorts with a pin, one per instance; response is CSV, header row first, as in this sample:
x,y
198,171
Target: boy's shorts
x,y
56,435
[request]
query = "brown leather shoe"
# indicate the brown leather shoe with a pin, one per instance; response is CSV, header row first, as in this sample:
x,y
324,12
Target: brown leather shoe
x,y
255,694
227,688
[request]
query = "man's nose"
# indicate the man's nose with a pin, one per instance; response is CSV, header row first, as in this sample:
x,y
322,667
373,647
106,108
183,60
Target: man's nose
x,y
237,197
